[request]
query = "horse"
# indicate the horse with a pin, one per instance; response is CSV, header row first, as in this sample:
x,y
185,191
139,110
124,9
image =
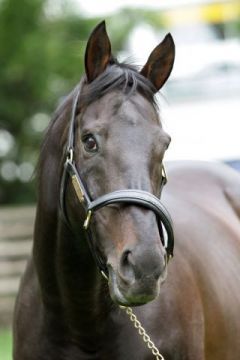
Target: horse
x,y
102,237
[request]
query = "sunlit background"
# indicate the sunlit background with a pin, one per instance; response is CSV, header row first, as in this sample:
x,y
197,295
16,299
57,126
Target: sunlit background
x,y
202,104
42,47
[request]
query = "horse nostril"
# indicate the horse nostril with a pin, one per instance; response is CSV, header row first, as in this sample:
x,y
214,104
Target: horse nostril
x,y
138,265
127,258
127,267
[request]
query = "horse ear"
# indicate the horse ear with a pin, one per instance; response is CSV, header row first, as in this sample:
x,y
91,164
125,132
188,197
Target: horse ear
x,y
98,52
160,62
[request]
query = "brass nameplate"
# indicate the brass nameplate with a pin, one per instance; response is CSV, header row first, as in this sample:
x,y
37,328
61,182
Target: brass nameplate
x,y
77,188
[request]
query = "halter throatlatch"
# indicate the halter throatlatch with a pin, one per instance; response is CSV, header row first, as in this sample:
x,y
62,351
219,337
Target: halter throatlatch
x,y
130,196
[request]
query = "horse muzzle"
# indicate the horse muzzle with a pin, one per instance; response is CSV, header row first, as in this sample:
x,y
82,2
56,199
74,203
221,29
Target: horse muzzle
x,y
135,287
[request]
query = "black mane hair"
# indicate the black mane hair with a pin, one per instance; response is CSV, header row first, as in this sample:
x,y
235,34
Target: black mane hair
x,y
118,76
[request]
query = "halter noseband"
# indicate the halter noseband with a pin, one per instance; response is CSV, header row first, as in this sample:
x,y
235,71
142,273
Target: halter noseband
x,y
129,196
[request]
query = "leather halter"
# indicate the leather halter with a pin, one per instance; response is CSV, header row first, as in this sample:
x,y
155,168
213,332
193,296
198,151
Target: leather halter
x,y
130,196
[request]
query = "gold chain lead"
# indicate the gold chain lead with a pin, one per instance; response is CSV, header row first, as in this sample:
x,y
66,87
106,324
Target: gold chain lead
x,y
142,333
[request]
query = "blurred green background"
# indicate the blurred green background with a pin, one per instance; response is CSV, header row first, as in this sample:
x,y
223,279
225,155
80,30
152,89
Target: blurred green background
x,y
5,345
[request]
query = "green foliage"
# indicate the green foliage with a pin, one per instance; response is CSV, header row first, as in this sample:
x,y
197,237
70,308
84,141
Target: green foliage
x,y
41,59
5,345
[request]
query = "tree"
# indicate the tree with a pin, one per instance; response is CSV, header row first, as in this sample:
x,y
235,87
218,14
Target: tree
x,y
40,60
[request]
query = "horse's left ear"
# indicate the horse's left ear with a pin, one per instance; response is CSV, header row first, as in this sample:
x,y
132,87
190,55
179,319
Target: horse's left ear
x,y
98,52
160,62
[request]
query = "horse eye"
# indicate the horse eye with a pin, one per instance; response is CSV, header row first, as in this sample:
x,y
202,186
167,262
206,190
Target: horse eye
x,y
90,143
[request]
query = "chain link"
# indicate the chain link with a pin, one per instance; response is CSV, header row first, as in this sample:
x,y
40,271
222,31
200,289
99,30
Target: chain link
x,y
142,333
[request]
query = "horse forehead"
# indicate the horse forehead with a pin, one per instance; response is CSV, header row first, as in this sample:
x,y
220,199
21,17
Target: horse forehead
x,y
137,109
118,106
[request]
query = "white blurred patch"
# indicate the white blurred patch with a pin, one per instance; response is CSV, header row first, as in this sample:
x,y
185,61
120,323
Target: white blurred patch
x,y
39,122
6,142
25,171
9,170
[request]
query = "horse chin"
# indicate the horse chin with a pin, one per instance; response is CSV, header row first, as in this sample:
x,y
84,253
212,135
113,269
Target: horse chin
x,y
127,296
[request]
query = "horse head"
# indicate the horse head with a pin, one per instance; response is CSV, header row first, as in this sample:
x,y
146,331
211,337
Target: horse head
x,y
119,144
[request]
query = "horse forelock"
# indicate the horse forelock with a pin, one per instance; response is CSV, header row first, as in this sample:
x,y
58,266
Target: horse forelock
x,y
123,77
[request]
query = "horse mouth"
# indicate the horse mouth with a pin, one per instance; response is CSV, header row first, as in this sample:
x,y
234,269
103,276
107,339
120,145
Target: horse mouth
x,y
137,294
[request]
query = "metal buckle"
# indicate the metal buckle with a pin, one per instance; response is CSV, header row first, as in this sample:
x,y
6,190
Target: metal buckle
x,y
69,156
104,275
87,221
77,188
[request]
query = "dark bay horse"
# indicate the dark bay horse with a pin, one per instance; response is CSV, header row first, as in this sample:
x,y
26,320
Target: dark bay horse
x,y
66,310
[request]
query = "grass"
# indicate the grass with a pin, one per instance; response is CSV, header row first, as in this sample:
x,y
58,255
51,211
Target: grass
x,y
5,344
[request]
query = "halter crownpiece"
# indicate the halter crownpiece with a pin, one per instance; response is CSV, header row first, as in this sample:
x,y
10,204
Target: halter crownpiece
x,y
129,196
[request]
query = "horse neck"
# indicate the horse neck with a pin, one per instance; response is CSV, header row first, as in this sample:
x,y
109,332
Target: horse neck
x,y
72,287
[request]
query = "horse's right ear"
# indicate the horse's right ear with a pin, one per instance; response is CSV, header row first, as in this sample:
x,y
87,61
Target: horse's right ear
x,y
98,52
